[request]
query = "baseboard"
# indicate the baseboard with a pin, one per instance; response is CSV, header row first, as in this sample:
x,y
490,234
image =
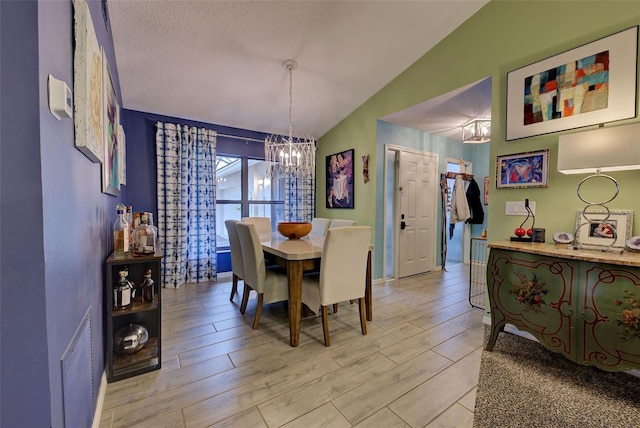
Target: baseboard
x,y
100,401
511,329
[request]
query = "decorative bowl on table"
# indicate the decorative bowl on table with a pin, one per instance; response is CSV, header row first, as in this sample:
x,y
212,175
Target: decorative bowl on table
x,y
294,229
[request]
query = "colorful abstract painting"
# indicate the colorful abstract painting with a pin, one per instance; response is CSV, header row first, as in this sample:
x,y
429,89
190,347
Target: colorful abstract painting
x,y
591,84
523,170
576,87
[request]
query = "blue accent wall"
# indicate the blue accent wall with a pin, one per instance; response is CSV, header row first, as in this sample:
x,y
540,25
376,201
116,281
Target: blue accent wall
x,y
24,372
56,223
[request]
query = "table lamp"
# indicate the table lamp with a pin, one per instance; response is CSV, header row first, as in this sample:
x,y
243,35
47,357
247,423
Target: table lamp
x,y
595,152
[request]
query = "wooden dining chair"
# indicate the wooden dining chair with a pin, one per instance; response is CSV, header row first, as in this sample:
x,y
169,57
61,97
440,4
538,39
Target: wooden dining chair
x,y
237,266
319,225
336,222
270,284
342,274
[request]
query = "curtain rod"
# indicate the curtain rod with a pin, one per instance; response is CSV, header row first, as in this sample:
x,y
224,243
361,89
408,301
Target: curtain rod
x,y
240,138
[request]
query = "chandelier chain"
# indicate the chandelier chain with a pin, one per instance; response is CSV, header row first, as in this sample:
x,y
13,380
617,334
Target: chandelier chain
x,y
290,102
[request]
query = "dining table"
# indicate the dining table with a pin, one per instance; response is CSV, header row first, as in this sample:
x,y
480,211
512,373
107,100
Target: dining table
x,y
298,256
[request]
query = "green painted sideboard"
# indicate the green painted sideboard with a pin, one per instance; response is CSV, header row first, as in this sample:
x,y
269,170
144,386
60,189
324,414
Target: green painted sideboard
x,y
582,304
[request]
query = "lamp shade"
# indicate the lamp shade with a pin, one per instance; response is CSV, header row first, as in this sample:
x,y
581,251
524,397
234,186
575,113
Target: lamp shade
x,y
603,149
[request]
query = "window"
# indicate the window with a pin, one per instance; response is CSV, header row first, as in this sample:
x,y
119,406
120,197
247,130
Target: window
x,y
243,190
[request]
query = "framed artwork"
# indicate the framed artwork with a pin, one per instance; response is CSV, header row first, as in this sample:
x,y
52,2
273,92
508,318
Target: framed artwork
x,y
111,109
593,228
340,180
122,156
486,190
87,86
520,170
591,84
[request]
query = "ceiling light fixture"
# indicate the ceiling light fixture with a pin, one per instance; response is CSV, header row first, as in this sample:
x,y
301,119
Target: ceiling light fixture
x,y
477,131
289,156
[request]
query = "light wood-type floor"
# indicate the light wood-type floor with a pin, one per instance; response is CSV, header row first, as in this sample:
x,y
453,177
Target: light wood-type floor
x,y
417,366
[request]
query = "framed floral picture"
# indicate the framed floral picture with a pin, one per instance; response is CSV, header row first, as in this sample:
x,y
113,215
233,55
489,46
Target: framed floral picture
x,y
530,169
340,180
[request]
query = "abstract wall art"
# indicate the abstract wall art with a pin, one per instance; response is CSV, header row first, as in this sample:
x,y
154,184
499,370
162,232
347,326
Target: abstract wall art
x,y
592,84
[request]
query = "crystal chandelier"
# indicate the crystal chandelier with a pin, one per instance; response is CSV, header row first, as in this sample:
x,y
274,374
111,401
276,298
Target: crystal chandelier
x,y
290,157
477,131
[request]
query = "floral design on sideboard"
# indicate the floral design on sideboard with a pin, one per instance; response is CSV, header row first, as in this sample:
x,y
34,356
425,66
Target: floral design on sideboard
x,y
530,292
629,318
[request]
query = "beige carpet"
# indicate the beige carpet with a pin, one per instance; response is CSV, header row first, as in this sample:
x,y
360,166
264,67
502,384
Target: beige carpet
x,y
522,384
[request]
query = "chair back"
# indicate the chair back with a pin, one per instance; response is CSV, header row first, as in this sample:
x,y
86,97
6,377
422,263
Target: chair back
x,y
336,222
263,224
255,272
344,264
319,226
236,251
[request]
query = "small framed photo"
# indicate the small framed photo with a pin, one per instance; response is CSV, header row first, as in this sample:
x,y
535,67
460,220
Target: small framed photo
x,y
530,169
595,229
340,180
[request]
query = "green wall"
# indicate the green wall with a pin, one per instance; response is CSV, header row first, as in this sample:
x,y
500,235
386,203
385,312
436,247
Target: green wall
x,y
501,37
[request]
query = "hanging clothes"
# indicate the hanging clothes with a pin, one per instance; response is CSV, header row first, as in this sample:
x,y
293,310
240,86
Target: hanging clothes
x,y
459,206
475,205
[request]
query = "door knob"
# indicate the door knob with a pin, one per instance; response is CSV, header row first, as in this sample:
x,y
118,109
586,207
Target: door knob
x,y
403,225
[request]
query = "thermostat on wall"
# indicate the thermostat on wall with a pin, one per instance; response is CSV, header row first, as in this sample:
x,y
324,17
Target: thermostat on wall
x,y
60,98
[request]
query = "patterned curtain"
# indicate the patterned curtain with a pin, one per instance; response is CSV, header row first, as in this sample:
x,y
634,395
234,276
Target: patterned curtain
x,y
186,203
299,198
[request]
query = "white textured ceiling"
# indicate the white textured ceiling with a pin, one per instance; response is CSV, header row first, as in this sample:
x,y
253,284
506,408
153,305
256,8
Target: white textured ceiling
x,y
222,61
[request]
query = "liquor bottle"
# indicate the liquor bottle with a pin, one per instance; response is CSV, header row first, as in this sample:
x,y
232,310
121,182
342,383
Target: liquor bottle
x,y
121,233
150,221
147,287
144,239
122,292
128,215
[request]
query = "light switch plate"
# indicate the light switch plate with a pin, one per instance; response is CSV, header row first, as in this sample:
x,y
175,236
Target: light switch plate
x,y
517,207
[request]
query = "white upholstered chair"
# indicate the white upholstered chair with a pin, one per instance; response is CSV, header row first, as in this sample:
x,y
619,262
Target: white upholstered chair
x,y
342,274
336,222
263,224
271,285
319,225
236,255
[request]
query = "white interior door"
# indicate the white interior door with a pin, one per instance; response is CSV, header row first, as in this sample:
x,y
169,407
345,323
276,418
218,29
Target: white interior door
x,y
418,200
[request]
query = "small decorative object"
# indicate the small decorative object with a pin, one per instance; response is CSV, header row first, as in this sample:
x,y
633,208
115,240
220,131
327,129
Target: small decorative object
x,y
294,229
562,238
365,167
633,243
130,339
520,231
594,83
538,234
523,170
340,180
